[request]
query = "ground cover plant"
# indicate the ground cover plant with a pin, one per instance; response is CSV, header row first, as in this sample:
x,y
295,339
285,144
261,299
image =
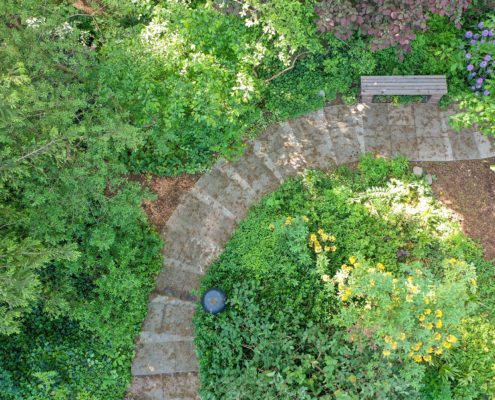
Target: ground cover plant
x,y
351,285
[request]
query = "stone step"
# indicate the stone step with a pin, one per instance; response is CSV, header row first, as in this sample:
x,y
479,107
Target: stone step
x,y
227,191
169,317
175,281
281,151
254,171
347,139
196,218
178,386
312,132
192,254
160,355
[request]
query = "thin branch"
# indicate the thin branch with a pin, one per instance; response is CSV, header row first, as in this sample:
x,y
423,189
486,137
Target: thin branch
x,y
288,68
38,150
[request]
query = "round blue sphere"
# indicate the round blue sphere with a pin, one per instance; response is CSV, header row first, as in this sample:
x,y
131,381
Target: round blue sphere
x,y
213,301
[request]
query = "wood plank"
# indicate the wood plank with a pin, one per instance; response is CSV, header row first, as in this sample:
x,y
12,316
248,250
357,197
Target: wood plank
x,y
403,92
385,77
405,85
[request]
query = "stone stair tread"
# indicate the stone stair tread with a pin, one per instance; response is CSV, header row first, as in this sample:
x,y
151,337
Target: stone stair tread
x,y
164,357
169,316
176,282
175,386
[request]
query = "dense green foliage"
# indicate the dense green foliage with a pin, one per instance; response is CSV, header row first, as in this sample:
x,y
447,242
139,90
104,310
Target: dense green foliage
x,y
352,285
93,90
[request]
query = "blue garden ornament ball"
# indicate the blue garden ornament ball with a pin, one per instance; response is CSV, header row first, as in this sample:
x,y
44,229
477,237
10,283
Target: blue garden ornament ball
x,y
213,301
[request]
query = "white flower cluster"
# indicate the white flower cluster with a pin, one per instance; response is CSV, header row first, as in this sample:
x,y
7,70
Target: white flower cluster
x,y
245,86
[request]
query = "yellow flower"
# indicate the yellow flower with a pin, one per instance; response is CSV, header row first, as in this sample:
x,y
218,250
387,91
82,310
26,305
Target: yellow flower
x,y
452,260
451,339
421,317
388,273
305,219
288,220
427,300
447,345
326,278
427,311
312,237
409,298
438,351
439,313
394,346
321,232
429,350
352,259
419,272
439,324
418,358
386,353
427,358
317,248
372,283
402,336
417,346
334,248
473,282
332,238
438,336
271,227
380,266
429,326
410,279
414,289
388,339
327,248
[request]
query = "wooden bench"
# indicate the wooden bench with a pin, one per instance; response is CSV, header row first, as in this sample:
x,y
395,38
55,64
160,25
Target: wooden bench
x,y
434,86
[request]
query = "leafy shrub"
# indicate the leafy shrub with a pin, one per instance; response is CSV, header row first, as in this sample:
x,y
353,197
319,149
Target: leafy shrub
x,y
318,308
388,23
478,106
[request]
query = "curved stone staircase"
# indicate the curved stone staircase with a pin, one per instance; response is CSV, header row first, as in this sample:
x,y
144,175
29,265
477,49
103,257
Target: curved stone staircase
x,y
165,366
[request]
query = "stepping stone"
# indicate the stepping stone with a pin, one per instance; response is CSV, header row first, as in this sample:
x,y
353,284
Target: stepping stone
x,y
158,356
170,317
228,192
343,116
312,132
181,386
428,120
434,149
192,254
375,118
464,146
176,282
254,171
345,144
195,218
146,388
401,115
280,151
404,142
380,143
485,145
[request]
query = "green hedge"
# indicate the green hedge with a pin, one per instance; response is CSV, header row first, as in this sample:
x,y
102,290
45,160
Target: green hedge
x,y
289,333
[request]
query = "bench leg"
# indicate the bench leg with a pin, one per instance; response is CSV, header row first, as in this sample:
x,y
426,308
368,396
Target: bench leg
x,y
367,99
434,98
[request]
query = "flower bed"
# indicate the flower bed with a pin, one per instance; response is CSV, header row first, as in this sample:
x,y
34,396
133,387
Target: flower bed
x,y
354,285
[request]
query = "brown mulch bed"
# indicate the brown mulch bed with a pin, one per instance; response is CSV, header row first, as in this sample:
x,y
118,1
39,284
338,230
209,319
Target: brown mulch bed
x,y
468,188
170,191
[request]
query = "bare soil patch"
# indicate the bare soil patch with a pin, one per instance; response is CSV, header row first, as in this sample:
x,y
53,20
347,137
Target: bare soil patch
x,y
468,188
170,192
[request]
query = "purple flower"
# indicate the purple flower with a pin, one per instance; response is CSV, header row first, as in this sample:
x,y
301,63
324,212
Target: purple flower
x,y
490,32
470,67
476,36
484,33
488,57
480,25
469,34
468,55
473,41
489,71
479,81
486,93
482,41
473,87
483,64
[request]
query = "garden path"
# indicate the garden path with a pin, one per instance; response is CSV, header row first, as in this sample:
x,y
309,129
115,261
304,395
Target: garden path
x,y
165,366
